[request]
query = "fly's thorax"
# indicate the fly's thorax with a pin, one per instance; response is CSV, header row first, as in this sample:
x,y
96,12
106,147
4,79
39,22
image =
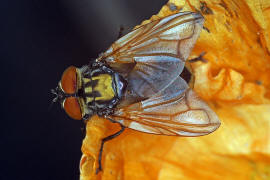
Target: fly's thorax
x,y
101,89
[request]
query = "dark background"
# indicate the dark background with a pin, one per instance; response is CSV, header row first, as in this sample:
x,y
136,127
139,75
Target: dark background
x,y
39,40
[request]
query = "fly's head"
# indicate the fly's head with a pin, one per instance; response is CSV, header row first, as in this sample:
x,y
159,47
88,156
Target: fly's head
x,y
89,90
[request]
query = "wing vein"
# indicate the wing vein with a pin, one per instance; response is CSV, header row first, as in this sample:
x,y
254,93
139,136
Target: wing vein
x,y
156,34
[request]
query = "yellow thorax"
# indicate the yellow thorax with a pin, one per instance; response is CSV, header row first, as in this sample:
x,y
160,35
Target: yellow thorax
x,y
104,87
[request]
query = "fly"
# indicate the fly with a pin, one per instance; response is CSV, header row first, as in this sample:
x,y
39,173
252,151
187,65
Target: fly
x,y
137,82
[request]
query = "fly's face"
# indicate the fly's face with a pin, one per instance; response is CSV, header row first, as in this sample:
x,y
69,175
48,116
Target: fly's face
x,y
67,93
93,89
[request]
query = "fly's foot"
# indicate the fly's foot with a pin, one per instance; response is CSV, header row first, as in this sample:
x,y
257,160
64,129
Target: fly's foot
x,y
199,58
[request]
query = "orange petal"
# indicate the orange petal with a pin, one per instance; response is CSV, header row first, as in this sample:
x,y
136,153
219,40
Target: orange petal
x,y
235,82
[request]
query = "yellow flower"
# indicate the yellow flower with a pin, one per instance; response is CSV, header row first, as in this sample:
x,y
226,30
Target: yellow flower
x,y
235,82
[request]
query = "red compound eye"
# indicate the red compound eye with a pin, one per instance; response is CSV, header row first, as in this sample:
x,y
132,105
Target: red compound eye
x,y
69,80
72,108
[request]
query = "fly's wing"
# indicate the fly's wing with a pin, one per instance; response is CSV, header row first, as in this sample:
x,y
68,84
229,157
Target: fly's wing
x,y
176,110
152,56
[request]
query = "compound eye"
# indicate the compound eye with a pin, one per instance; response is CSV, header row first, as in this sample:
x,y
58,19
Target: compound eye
x,y
72,108
69,80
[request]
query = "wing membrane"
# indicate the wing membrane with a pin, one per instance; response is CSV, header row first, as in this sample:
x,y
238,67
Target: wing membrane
x,y
176,110
152,56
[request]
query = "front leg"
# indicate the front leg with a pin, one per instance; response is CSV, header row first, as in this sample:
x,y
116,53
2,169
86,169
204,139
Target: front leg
x,y
102,144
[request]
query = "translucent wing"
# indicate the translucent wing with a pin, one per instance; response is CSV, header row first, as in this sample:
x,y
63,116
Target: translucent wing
x,y
152,56
176,110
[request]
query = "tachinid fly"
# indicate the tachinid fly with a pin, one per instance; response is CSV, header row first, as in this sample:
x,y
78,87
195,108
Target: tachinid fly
x,y
137,82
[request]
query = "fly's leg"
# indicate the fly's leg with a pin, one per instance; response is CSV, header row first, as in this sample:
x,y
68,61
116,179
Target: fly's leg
x,y
121,30
102,144
199,58
205,28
